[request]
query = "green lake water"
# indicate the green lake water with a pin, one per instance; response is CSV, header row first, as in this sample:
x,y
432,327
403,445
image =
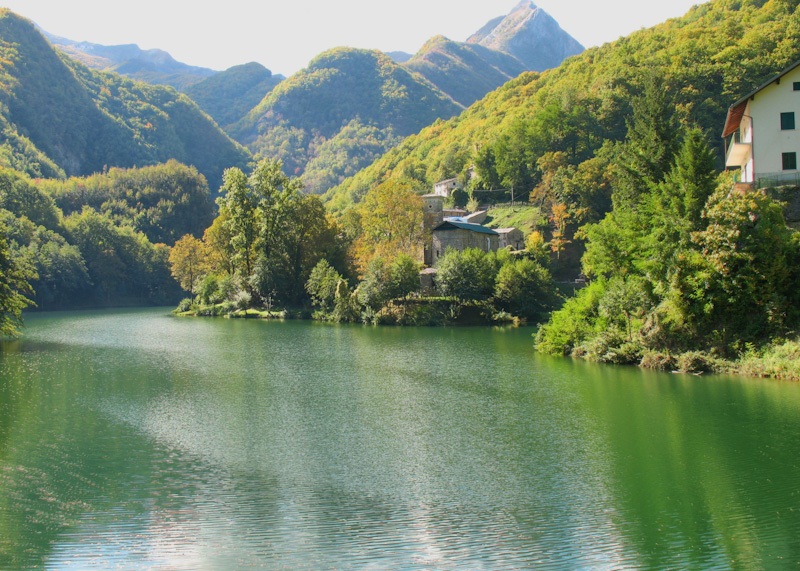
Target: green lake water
x,y
137,440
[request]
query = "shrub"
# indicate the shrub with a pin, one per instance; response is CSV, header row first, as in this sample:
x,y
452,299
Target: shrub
x,y
525,288
322,285
242,299
695,362
658,361
577,321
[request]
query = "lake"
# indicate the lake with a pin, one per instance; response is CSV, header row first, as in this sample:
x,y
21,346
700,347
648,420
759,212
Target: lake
x,y
131,439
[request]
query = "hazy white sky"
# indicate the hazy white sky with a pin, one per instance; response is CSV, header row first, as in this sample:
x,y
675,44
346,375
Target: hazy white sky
x,y
284,36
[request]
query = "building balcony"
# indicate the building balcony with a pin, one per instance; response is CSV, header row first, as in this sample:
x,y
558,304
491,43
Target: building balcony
x,y
739,152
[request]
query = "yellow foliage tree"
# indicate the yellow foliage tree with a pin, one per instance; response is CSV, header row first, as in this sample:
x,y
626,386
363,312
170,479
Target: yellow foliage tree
x,y
560,217
391,217
187,261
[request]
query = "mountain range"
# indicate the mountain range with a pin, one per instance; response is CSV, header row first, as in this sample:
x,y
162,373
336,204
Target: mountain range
x,y
151,66
348,106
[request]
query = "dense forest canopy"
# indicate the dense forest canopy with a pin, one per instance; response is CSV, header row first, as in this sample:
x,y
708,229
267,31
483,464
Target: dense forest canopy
x,y
163,202
103,239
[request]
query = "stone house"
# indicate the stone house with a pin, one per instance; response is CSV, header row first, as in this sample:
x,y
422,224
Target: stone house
x,y
443,230
761,133
511,238
446,187
460,236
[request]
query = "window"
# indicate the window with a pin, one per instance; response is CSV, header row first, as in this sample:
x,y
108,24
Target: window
x,y
796,86
787,121
789,161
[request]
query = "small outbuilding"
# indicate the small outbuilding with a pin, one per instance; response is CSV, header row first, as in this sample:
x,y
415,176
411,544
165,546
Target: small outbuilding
x,y
511,238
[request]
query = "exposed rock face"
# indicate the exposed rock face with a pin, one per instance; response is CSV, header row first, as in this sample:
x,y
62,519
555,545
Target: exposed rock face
x,y
531,35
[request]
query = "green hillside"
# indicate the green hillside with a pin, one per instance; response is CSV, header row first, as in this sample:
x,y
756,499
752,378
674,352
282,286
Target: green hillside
x,y
338,86
706,60
466,72
60,118
229,95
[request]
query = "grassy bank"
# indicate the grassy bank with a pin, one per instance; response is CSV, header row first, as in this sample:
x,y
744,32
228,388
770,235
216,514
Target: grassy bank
x,y
776,361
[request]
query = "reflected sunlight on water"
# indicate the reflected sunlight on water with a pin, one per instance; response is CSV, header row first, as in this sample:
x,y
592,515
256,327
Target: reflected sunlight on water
x,y
137,440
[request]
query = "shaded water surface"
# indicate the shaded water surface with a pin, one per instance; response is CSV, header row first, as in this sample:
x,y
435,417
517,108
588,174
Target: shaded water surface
x,y
136,440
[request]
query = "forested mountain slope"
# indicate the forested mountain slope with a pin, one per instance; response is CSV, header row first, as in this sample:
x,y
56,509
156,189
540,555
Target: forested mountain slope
x,y
338,87
229,95
466,72
706,59
60,118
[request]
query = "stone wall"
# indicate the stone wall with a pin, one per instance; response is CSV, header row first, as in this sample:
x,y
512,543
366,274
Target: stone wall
x,y
790,197
461,239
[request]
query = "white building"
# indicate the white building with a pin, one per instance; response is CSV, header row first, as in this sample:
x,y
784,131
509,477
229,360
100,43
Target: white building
x,y
762,132
446,187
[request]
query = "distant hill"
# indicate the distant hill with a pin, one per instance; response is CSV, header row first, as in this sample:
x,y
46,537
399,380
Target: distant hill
x,y
529,34
59,118
339,86
466,72
709,58
151,66
229,95
400,57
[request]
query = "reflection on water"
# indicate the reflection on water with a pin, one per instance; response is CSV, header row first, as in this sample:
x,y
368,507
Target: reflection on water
x,y
135,440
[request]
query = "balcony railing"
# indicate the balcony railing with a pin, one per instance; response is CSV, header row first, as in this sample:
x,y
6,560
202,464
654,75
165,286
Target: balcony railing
x,y
766,180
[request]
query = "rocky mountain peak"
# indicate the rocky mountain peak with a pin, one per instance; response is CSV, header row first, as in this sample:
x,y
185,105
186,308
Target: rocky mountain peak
x,y
531,35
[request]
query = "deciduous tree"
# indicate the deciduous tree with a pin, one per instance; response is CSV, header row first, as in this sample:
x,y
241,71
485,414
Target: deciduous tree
x,y
14,288
187,261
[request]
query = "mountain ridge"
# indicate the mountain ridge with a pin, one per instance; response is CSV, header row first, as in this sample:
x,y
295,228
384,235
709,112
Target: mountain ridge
x,y
531,35
61,118
154,66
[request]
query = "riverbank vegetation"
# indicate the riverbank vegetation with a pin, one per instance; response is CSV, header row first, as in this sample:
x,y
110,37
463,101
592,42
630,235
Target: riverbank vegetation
x,y
685,273
102,240
272,246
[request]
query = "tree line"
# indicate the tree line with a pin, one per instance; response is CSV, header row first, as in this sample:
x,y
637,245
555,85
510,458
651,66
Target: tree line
x,y
99,240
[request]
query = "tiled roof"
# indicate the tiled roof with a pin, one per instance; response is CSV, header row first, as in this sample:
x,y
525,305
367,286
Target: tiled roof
x,y
451,225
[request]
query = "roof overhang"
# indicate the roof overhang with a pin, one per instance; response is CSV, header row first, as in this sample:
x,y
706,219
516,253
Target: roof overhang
x,y
734,118
736,111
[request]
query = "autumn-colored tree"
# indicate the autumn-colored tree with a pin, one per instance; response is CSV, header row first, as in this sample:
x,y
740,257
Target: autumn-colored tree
x,y
391,217
560,217
187,261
